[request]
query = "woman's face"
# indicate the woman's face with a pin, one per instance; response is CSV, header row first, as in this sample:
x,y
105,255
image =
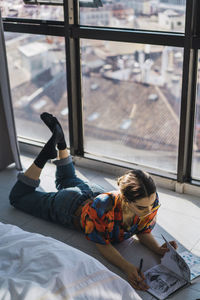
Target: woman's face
x,y
143,207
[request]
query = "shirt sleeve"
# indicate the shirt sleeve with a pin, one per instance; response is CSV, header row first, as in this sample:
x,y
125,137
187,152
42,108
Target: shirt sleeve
x,y
99,219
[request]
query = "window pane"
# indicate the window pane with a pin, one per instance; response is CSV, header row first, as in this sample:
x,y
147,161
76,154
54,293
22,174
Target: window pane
x,y
162,15
132,96
196,144
38,82
18,9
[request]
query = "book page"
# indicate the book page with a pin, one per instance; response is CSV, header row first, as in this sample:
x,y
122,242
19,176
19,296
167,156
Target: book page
x,y
174,262
193,261
162,282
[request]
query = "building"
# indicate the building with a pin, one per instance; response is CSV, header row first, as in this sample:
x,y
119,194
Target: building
x,y
95,16
140,7
178,5
171,20
174,2
35,57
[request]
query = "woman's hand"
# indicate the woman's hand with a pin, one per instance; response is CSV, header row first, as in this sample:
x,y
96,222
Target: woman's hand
x,y
163,249
136,279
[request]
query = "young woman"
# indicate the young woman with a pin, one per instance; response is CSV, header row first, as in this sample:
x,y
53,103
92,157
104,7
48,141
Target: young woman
x,y
104,217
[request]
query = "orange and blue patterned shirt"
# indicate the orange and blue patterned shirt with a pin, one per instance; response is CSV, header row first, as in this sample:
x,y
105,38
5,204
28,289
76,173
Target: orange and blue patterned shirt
x,y
102,220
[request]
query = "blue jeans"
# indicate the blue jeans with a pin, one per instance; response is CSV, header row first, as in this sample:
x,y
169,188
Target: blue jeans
x,y
57,206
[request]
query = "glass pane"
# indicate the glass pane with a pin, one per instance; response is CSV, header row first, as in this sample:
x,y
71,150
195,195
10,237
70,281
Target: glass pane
x,y
18,9
38,82
196,144
132,95
162,15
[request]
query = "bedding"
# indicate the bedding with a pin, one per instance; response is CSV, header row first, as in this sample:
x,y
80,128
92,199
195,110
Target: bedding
x,y
35,267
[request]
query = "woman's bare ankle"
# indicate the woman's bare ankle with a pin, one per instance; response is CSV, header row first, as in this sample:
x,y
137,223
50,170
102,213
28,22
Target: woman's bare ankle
x,y
63,153
33,172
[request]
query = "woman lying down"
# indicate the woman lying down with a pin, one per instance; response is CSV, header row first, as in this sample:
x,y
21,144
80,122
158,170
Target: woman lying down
x,y
104,217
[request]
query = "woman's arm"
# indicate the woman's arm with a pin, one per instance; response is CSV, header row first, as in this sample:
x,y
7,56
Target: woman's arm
x,y
149,241
113,256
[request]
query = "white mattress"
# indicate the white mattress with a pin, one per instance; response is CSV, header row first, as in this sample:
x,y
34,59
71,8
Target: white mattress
x,y
34,267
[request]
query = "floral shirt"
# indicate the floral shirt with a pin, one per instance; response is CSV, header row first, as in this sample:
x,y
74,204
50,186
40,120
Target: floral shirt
x,y
102,220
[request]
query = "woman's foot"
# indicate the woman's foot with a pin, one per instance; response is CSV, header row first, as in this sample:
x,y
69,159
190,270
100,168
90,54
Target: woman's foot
x,y
51,122
49,150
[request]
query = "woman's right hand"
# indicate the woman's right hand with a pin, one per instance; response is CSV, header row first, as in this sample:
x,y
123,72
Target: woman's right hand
x,y
135,279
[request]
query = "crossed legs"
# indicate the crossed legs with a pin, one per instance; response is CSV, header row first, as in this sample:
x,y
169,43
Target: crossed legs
x,y
34,171
48,205
72,191
49,150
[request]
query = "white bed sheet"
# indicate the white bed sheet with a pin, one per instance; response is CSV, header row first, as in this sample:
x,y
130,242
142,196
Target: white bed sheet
x,y
35,267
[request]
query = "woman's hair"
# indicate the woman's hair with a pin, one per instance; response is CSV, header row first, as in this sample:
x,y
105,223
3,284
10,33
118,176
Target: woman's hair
x,y
135,185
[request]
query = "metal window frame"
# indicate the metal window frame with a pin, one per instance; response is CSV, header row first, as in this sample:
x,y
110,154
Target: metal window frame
x,y
43,2
73,32
71,15
188,99
92,3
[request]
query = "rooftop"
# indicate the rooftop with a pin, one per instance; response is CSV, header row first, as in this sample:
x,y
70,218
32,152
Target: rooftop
x,y
33,49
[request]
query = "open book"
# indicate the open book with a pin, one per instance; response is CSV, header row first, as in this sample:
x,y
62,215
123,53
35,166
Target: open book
x,y
175,271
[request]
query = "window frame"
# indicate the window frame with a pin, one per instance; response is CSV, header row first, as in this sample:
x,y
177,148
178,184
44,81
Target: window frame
x,y
82,3
72,31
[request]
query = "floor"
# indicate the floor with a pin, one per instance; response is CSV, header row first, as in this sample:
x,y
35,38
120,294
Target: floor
x,y
178,218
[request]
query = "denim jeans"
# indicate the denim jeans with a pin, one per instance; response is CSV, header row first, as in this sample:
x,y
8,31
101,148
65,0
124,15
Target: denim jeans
x,y
57,206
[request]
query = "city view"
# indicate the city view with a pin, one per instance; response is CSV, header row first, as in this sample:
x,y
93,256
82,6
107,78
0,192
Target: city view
x,y
164,15
131,92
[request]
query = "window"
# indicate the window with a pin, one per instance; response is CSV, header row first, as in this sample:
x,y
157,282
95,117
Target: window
x,y
137,14
131,95
131,101
38,82
28,10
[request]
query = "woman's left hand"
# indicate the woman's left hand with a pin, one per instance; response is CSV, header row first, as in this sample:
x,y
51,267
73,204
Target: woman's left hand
x,y
163,249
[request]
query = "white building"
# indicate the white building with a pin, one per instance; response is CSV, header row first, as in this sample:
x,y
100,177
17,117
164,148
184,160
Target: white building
x,y
171,20
93,16
35,57
174,2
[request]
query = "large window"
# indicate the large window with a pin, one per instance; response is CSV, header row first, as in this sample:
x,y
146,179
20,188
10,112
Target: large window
x,y
163,15
130,92
38,82
132,96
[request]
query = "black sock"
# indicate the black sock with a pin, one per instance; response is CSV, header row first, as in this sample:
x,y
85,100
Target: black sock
x,y
49,149
51,122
